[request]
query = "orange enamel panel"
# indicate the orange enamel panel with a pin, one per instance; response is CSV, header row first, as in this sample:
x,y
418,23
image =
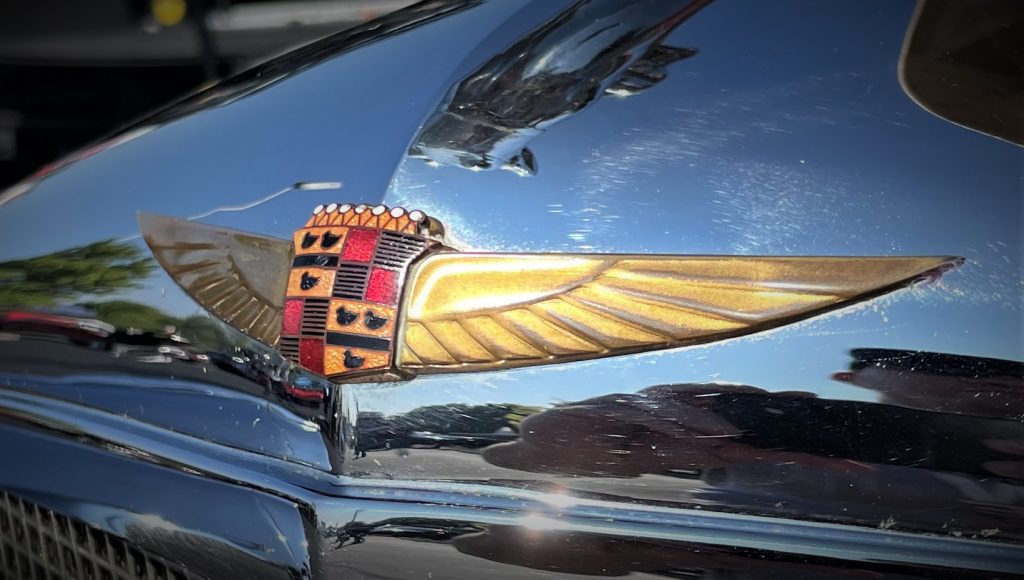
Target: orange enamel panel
x,y
362,318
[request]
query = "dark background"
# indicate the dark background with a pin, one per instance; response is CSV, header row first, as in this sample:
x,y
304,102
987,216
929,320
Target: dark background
x,y
72,71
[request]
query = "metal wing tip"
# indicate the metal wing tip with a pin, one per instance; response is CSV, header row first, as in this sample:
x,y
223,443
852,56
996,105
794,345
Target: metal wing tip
x,y
151,223
146,220
945,265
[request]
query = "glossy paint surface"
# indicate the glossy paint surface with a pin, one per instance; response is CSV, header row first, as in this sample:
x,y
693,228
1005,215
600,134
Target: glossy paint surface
x,y
269,518
785,133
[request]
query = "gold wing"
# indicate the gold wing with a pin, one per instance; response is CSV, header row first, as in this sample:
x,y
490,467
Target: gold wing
x,y
487,311
238,277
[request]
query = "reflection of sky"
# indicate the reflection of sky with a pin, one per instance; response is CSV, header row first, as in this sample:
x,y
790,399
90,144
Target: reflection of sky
x,y
787,134
326,124
790,139
341,121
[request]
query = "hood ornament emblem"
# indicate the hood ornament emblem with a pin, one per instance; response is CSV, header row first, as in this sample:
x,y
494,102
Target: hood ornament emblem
x,y
374,294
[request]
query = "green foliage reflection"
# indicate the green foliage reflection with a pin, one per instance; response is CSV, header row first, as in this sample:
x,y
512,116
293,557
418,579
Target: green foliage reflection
x,y
97,269
64,278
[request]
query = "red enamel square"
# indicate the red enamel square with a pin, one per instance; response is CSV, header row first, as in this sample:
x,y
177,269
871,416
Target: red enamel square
x,y
311,354
359,246
382,286
292,320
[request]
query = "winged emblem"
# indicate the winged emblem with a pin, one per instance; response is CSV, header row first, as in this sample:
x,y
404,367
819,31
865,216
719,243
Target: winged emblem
x,y
374,293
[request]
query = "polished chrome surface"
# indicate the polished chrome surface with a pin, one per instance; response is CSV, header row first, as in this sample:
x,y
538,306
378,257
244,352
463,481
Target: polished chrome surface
x,y
275,519
239,278
786,133
760,143
962,63
553,72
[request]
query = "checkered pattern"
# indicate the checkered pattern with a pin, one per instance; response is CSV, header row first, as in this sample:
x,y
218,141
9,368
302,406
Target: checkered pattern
x,y
362,275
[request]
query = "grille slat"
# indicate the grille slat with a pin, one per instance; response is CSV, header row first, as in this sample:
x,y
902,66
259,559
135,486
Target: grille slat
x,y
401,238
350,281
399,250
314,316
402,250
289,347
395,251
39,544
396,257
399,246
353,268
388,259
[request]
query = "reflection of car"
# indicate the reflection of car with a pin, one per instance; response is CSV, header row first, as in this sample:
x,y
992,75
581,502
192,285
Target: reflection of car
x,y
182,353
80,331
787,133
149,344
243,362
303,390
228,362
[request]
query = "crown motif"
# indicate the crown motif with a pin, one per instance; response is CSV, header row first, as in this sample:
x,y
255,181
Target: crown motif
x,y
395,219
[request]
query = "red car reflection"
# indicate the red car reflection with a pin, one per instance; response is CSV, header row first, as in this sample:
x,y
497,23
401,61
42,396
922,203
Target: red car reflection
x,y
80,331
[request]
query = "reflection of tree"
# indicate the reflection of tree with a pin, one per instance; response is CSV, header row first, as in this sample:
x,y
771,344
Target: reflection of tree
x,y
198,329
211,333
126,314
452,424
99,268
465,418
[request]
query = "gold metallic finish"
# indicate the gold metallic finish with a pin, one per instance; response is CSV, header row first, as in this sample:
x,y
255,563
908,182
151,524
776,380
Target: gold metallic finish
x,y
239,277
486,311
359,325
316,247
322,289
427,348
341,311
334,360
404,304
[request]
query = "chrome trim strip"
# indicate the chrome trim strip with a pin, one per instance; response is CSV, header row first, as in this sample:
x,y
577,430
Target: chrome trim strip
x,y
499,505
